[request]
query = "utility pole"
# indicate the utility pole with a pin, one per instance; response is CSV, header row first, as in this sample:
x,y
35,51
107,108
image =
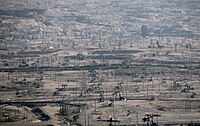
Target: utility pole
x,y
147,91
137,118
95,106
85,118
126,90
88,119
175,47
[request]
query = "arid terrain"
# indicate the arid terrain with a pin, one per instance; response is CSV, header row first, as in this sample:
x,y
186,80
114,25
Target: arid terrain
x,y
99,62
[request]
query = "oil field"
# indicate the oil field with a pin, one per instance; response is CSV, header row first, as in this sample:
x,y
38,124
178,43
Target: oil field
x,y
99,63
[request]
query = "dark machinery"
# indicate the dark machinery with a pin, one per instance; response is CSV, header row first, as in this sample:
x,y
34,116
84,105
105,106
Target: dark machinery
x,y
118,92
148,118
63,88
119,86
101,99
118,96
91,88
85,92
187,88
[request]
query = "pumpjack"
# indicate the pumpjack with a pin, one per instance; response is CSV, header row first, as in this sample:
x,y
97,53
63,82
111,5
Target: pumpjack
x,y
101,99
149,119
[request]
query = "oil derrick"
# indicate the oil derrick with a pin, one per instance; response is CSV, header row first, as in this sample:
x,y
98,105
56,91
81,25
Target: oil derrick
x,y
118,92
